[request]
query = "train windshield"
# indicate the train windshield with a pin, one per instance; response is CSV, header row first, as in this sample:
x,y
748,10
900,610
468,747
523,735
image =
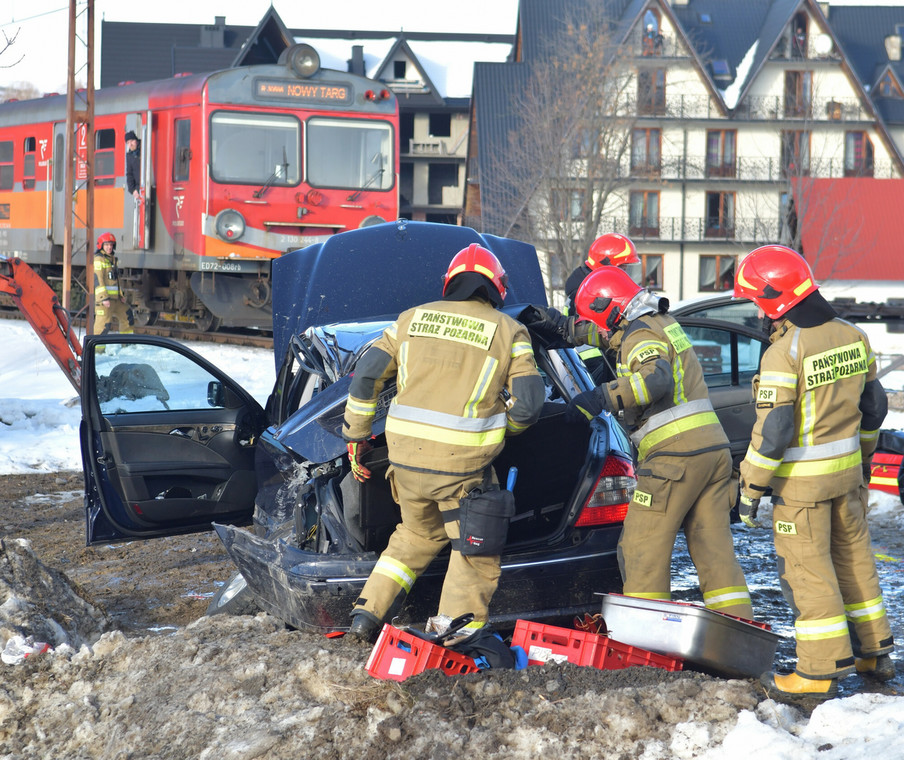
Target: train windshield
x,y
350,154
255,148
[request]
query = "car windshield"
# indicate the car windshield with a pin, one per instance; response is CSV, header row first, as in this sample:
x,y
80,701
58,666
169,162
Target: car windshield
x,y
350,154
254,148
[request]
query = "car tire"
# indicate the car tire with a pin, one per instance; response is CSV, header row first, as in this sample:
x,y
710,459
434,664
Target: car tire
x,y
233,598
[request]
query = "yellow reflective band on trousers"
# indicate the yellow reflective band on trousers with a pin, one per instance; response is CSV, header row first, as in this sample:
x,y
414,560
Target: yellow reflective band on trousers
x,y
682,425
817,630
664,596
397,571
730,596
445,435
872,609
819,467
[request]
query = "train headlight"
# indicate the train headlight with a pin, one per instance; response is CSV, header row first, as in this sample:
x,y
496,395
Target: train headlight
x,y
230,225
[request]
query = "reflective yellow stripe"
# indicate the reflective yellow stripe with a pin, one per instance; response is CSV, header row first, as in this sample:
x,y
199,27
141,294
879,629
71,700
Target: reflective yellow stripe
x,y
521,348
644,350
515,427
682,425
782,379
392,331
758,460
402,369
873,609
652,595
819,467
729,596
869,435
480,388
639,388
808,419
445,435
817,630
878,481
678,397
397,571
364,408
589,352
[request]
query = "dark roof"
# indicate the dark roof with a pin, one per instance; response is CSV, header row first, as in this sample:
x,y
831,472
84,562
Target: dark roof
x,y
851,229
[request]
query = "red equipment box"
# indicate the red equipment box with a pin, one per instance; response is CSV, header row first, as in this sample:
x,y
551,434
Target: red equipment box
x,y
549,643
884,472
397,655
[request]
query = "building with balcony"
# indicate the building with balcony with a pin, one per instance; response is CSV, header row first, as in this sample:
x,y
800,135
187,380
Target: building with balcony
x,y
731,109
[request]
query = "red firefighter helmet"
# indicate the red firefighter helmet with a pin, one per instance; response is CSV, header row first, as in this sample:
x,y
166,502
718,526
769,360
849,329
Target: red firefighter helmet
x,y
477,259
603,296
107,237
612,249
775,278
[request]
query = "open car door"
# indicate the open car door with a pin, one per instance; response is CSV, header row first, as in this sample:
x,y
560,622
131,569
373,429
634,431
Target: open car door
x,y
168,440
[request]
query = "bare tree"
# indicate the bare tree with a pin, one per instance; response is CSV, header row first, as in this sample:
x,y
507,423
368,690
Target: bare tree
x,y
5,46
555,180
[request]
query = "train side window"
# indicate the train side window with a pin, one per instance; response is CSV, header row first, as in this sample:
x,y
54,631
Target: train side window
x,y
105,157
6,165
182,150
28,163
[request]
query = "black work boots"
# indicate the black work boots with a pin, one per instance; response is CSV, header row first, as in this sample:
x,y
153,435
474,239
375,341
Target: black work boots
x,y
365,628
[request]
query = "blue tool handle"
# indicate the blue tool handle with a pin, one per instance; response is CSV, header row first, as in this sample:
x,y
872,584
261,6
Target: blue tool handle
x,y
512,477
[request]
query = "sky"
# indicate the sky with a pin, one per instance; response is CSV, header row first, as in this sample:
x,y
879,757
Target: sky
x,y
42,25
40,416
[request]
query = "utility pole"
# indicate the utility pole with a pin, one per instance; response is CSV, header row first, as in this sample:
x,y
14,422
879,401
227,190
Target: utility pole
x,y
79,158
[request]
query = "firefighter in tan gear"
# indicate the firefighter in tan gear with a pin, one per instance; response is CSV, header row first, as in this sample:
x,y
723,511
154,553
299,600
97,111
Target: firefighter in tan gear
x,y
466,378
819,408
684,461
109,302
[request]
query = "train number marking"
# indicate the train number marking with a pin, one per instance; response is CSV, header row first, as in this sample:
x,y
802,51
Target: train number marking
x,y
219,266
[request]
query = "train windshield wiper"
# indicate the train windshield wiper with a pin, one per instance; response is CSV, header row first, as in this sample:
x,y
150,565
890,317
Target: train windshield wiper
x,y
281,170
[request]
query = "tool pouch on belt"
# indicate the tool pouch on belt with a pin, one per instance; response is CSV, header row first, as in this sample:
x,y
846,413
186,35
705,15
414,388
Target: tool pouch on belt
x,y
483,520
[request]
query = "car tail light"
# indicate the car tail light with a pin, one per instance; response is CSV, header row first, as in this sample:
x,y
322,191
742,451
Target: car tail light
x,y
613,490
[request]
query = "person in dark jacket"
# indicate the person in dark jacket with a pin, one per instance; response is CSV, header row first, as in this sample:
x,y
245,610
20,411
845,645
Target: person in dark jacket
x,y
133,165
466,379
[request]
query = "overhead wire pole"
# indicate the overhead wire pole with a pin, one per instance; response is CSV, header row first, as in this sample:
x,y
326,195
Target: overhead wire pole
x,y
79,160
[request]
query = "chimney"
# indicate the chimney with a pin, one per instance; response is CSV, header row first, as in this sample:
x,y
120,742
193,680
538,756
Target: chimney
x,y
893,47
212,34
356,63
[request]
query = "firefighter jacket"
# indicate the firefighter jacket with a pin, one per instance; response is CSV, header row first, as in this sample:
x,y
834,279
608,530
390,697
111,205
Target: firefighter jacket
x,y
106,277
819,408
659,393
465,378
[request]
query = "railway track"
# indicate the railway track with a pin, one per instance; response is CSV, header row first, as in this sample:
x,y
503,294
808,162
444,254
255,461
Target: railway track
x,y
239,337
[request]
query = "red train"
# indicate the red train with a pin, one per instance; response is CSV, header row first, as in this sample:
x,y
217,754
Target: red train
x,y
237,167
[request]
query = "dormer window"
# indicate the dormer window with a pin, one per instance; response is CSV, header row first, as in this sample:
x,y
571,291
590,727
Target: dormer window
x,y
399,69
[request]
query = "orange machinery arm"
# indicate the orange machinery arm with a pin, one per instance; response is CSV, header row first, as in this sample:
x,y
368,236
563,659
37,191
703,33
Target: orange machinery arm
x,y
40,306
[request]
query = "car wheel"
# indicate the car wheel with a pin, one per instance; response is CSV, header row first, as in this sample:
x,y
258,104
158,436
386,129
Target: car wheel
x,y
233,598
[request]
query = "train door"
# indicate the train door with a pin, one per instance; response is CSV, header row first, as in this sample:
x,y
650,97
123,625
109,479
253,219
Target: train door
x,y
140,214
183,207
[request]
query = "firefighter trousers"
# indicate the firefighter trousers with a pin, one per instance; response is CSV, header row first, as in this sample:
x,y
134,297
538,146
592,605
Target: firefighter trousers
x,y
828,576
690,493
470,581
104,316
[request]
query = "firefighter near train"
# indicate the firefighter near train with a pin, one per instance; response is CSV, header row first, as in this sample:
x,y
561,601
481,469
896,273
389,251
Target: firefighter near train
x,y
236,167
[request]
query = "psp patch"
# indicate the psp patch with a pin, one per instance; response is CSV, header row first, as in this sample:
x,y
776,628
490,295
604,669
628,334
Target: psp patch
x,y
767,395
643,499
785,528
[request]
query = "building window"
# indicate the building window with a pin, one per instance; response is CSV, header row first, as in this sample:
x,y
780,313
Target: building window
x,y
889,87
643,214
651,92
795,158
568,204
105,157
652,33
858,155
652,270
798,93
720,208
799,36
28,163
646,156
440,125
6,165
398,69
439,178
720,153
717,273
181,150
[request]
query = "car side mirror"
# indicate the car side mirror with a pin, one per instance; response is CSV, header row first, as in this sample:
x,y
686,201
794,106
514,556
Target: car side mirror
x,y
216,394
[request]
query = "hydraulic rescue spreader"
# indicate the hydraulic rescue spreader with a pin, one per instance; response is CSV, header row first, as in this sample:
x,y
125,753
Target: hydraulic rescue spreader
x,y
40,306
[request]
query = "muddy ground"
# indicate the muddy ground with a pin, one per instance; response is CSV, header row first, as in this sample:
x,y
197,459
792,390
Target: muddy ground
x,y
149,676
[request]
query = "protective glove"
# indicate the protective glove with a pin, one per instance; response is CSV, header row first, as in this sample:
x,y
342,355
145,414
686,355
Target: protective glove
x,y
867,473
587,405
546,322
356,452
748,507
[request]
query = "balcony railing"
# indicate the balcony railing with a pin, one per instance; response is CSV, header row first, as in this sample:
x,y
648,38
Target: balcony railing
x,y
742,230
781,107
747,169
436,146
